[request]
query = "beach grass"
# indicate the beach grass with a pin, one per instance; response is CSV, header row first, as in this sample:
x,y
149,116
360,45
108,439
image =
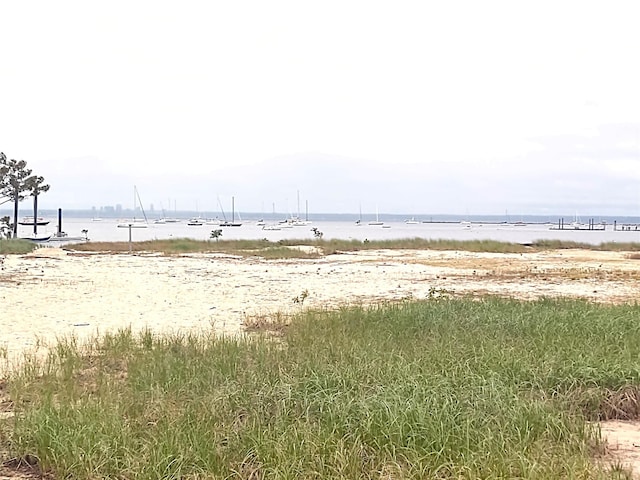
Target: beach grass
x,y
288,248
16,246
442,388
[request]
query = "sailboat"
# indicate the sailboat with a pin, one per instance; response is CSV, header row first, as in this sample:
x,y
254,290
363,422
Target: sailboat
x,y
377,221
135,222
173,219
295,220
195,221
233,222
35,221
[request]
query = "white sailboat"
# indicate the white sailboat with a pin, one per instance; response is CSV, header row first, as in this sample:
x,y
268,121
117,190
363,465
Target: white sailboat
x,y
233,222
135,222
377,220
295,220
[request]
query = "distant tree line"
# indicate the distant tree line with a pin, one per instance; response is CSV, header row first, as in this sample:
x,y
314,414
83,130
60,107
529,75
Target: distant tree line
x,y
16,184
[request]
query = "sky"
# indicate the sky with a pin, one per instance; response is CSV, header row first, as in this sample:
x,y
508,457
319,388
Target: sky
x,y
459,107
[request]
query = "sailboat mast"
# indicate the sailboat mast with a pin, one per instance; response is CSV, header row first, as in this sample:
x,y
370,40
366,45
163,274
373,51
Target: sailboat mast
x,y
140,202
222,210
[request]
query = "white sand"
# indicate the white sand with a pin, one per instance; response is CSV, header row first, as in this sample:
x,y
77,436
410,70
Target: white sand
x,y
52,293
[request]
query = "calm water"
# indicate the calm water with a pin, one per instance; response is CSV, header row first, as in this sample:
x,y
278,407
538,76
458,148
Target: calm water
x,y
107,230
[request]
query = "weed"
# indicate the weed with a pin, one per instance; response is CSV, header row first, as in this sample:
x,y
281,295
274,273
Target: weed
x,y
302,297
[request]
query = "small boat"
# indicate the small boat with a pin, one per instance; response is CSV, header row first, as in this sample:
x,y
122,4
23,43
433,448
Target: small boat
x,y
377,220
65,237
411,221
38,237
132,224
271,227
135,222
30,221
232,223
195,222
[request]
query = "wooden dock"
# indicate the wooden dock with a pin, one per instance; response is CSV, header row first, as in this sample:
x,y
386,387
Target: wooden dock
x,y
626,227
591,226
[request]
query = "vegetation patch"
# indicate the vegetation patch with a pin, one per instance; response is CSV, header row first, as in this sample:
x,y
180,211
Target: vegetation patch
x,y
320,246
442,388
16,246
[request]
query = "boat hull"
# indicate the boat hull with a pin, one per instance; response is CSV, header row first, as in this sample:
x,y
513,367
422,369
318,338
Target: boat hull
x,y
38,238
40,222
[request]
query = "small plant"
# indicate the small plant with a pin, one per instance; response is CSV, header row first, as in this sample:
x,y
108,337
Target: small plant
x,y
302,297
317,233
437,294
216,234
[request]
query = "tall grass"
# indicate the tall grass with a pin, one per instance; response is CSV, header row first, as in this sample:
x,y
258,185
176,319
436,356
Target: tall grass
x,y
438,389
16,246
279,249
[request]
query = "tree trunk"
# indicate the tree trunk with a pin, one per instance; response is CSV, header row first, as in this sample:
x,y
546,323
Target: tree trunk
x,y
35,214
16,199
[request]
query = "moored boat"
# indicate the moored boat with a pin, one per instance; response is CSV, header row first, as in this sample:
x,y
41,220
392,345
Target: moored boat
x,y
30,221
38,237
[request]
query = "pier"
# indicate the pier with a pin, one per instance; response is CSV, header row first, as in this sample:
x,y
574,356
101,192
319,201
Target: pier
x,y
626,227
591,226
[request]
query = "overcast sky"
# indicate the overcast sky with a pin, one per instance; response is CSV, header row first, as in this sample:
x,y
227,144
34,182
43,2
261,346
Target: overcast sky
x,y
463,107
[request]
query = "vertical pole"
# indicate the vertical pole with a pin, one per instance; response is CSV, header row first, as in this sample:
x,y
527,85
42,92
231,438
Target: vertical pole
x,y
59,222
35,213
130,225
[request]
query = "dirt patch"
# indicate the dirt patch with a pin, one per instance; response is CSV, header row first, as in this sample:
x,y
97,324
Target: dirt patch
x,y
622,446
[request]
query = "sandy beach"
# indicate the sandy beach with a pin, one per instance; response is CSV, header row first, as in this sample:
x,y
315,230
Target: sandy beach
x,y
53,293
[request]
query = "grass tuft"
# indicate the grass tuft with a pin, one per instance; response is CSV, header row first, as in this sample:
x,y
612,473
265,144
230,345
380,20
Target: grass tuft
x,y
16,246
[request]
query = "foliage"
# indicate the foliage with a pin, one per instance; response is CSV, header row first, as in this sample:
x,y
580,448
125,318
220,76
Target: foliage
x,y
16,246
16,183
444,388
317,233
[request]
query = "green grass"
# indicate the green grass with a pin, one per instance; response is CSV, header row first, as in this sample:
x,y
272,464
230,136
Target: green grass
x,y
446,388
16,246
280,249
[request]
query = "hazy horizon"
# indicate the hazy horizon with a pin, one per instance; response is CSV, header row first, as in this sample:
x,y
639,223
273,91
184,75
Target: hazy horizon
x,y
459,108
